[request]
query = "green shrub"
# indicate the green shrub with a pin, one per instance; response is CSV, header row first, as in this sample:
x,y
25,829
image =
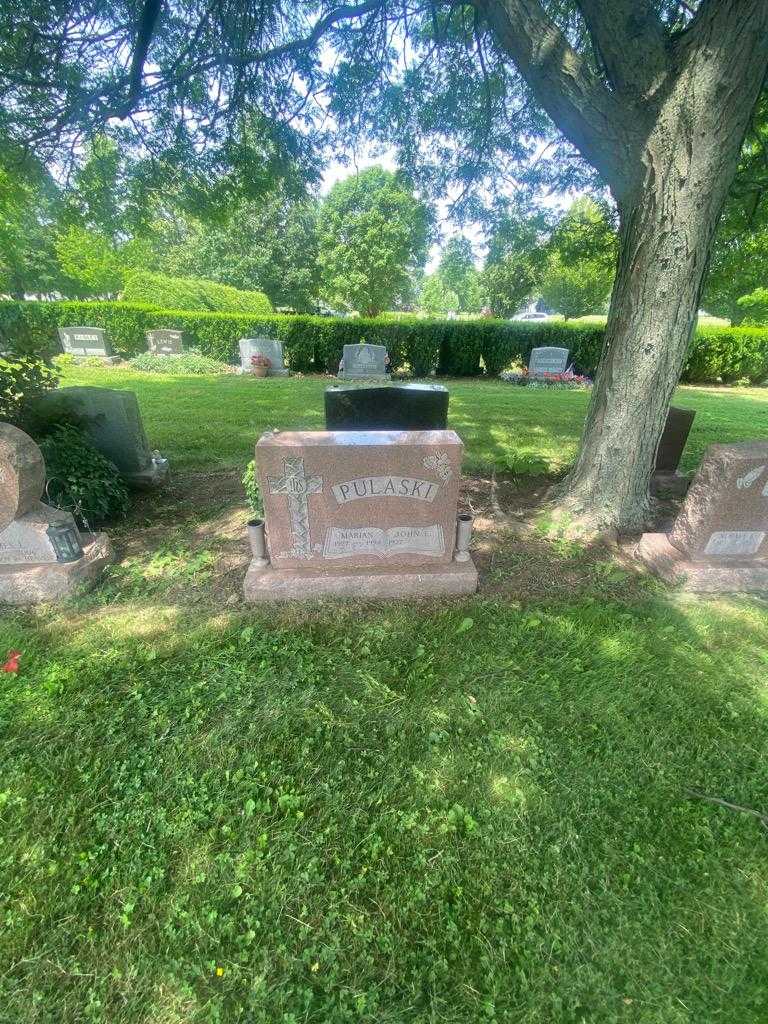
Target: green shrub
x,y
189,362
192,293
252,490
21,380
80,479
313,344
755,307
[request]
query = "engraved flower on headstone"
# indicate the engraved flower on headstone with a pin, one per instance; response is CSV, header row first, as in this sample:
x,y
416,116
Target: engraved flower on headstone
x,y
440,463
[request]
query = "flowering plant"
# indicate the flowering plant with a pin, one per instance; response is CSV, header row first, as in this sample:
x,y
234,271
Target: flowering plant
x,y
568,379
261,360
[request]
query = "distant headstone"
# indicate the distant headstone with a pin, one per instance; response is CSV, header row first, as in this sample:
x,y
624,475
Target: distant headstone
x,y
547,360
87,341
360,514
269,347
43,555
165,343
719,540
666,478
386,407
112,422
362,362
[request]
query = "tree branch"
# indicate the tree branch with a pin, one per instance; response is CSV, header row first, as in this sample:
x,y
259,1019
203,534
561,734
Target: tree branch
x,y
598,122
631,40
147,22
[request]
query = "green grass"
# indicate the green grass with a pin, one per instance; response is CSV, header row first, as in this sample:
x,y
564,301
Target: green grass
x,y
380,814
207,422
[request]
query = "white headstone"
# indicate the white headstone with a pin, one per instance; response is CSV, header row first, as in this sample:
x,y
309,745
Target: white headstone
x,y
269,347
364,362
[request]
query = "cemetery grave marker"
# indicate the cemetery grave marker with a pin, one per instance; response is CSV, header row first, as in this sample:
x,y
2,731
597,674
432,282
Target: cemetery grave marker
x,y
269,347
719,539
43,555
364,362
360,514
386,407
165,343
549,359
87,341
112,422
666,478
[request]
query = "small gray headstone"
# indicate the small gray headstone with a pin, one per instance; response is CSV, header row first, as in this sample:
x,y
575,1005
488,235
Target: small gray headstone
x,y
547,360
364,362
85,341
112,422
165,343
269,347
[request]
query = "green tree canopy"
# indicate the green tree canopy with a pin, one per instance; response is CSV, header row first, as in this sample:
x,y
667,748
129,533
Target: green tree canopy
x,y
515,262
458,273
372,233
581,260
436,296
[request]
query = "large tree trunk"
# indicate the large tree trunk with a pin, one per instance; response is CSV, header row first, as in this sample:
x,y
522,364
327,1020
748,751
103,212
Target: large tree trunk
x,y
667,226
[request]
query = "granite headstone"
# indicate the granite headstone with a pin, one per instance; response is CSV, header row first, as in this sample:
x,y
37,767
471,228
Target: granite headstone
x,y
547,360
165,343
360,513
386,407
269,347
666,478
113,424
364,362
719,539
43,555
86,341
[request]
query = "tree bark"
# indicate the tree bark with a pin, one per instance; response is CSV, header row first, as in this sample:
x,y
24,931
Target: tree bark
x,y
667,225
665,134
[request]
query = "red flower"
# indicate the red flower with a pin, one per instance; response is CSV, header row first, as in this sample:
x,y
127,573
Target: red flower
x,y
12,664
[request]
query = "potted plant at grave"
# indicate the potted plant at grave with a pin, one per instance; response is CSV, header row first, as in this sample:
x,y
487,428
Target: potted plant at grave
x,y
255,525
260,364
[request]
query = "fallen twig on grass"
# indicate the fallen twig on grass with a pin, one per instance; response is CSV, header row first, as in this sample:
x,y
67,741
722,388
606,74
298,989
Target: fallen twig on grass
x,y
762,818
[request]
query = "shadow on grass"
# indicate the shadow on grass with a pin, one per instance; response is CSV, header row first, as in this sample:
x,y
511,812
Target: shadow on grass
x,y
383,814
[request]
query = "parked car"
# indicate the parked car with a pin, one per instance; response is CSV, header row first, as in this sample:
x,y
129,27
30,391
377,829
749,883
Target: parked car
x,y
531,316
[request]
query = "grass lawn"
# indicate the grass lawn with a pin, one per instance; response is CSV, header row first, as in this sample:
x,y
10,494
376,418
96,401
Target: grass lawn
x,y
383,814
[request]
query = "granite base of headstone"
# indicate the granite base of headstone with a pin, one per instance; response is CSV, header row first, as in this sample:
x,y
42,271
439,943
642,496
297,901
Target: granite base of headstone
x,y
43,555
363,514
364,362
269,347
112,422
386,407
87,343
719,539
547,361
165,343
666,479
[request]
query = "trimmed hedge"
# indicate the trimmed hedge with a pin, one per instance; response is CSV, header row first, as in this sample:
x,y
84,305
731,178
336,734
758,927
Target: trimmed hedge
x,y
313,344
195,293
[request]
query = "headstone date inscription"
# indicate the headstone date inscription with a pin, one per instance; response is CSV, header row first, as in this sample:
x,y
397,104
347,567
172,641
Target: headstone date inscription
x,y
547,360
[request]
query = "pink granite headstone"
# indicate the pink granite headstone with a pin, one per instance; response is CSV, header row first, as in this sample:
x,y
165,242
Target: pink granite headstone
x,y
360,512
719,539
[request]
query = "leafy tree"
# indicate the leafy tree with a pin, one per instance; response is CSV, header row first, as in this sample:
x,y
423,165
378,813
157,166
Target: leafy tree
x,y
436,296
516,261
655,96
372,232
581,261
576,290
269,244
458,273
739,261
28,203
90,261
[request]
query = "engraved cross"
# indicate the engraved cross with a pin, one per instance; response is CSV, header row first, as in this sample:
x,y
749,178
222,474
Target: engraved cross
x,y
297,486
